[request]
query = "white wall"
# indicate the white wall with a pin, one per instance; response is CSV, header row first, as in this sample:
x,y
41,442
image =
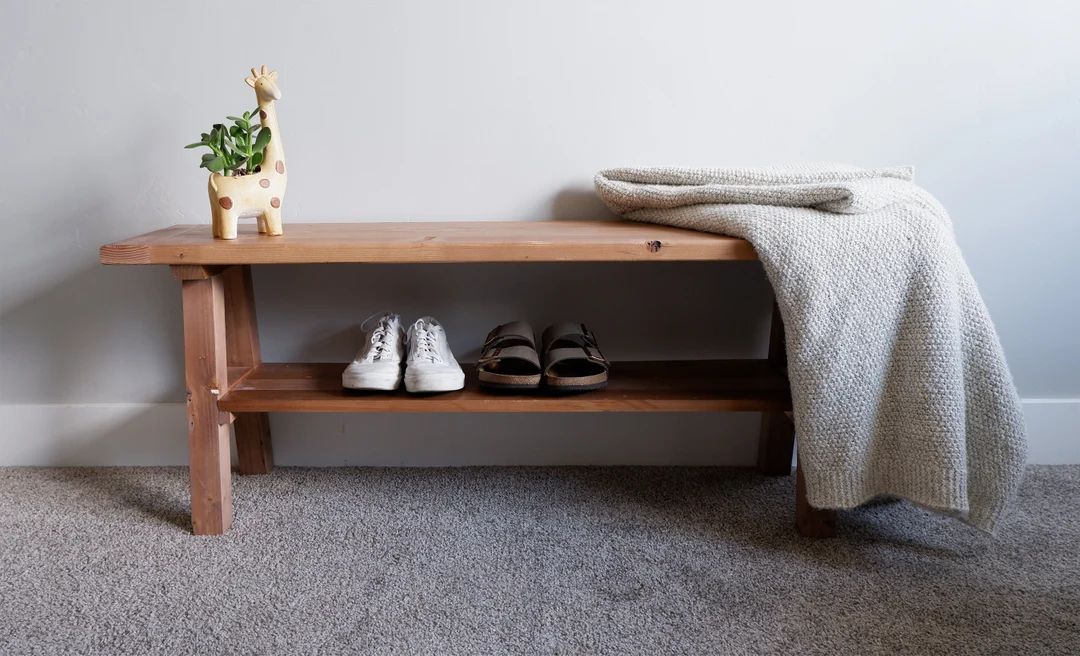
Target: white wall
x,y
504,110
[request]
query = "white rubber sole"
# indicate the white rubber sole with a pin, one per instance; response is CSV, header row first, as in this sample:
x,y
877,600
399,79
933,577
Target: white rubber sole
x,y
427,380
383,377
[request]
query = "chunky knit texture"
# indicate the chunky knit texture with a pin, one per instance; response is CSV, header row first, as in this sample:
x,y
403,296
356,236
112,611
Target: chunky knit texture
x,y
898,380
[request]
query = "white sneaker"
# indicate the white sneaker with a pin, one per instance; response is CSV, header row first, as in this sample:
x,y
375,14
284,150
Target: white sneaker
x,y
430,365
377,365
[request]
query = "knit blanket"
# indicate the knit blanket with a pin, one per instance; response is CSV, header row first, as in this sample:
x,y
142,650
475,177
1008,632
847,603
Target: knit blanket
x,y
898,380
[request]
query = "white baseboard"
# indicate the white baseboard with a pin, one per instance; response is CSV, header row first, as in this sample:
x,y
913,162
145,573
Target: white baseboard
x,y
155,434
1053,427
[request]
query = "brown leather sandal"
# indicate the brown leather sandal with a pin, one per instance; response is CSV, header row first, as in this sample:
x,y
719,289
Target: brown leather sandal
x,y
508,359
572,360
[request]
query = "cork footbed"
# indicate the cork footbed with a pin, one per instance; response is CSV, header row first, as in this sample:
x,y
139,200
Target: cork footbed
x,y
576,375
577,383
500,380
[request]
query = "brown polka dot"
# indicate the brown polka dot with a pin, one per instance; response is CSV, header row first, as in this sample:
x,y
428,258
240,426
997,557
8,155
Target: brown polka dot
x,y
279,166
275,202
264,183
262,114
225,202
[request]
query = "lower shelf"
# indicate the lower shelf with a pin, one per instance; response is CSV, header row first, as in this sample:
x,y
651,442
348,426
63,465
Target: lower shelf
x,y
681,386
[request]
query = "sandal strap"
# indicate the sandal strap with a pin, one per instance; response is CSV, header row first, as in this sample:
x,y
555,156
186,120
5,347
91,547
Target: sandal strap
x,y
518,352
592,354
513,331
576,333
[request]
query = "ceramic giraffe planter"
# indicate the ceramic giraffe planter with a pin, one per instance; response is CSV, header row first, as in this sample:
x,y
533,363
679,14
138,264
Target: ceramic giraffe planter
x,y
258,194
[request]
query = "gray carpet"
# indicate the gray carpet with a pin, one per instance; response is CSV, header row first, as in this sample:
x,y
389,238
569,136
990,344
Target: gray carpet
x,y
522,561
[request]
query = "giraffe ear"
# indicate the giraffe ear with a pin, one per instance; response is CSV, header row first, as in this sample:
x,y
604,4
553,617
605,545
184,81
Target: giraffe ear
x,y
250,82
273,76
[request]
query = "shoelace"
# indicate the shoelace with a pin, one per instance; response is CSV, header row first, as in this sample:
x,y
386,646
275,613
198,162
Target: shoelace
x,y
382,345
424,339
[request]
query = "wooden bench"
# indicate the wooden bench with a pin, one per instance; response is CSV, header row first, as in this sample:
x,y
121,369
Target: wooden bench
x,y
227,382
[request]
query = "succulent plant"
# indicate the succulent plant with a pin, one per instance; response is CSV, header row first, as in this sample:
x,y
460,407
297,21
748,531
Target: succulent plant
x,y
236,149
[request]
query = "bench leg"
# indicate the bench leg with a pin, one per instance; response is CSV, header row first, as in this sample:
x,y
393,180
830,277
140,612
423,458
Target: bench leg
x,y
252,429
253,450
810,521
777,441
776,444
205,376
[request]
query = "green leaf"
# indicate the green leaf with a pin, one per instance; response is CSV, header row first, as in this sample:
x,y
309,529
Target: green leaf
x,y
236,147
262,139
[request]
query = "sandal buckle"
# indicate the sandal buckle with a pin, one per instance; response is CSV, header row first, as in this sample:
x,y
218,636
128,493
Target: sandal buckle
x,y
588,337
594,354
489,356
